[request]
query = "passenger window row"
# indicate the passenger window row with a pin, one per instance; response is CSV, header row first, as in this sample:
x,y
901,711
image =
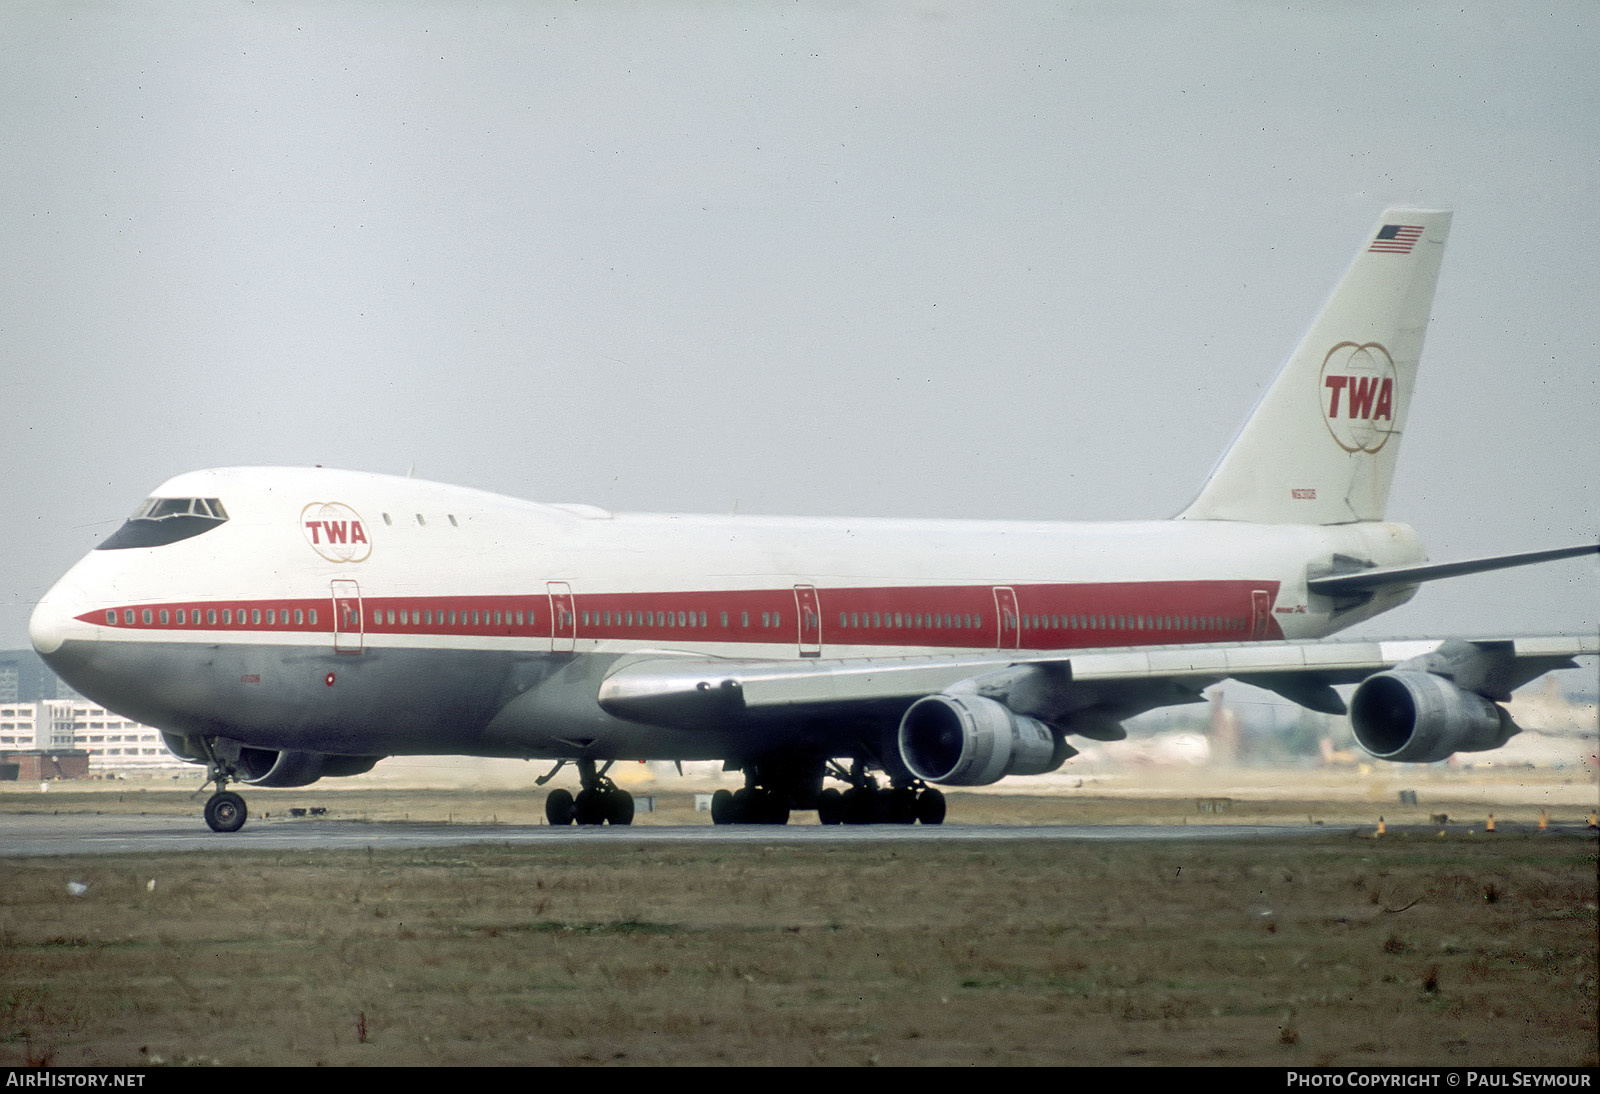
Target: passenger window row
x,y
937,621
649,618
1033,621
589,621
212,617
422,521
601,620
426,617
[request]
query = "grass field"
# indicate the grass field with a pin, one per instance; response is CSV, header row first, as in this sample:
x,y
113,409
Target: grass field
x,y
1321,950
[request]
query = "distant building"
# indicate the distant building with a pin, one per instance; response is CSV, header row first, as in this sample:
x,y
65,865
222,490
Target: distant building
x,y
25,678
43,766
109,743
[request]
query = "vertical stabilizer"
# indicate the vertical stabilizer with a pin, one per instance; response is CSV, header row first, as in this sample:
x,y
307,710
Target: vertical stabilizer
x,y
1320,447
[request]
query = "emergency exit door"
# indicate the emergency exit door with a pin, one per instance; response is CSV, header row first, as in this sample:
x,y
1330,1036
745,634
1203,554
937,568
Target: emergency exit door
x,y
348,626
563,620
1006,619
810,613
1260,613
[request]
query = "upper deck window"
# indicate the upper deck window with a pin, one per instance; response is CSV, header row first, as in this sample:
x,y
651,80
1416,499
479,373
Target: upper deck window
x,y
159,521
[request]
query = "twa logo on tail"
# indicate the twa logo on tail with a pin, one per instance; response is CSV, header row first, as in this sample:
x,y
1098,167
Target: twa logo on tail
x,y
335,531
1358,395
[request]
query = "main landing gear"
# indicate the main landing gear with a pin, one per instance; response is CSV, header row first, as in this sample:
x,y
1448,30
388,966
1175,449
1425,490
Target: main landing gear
x,y
750,805
772,787
910,804
907,801
600,801
769,795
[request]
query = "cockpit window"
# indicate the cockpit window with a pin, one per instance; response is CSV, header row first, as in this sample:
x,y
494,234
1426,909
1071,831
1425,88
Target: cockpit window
x,y
159,521
162,508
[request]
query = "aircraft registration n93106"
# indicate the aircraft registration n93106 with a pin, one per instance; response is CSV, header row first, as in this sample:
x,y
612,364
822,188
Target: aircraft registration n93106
x,y
282,625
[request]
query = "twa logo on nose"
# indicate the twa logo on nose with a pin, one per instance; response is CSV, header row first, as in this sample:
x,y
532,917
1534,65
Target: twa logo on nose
x,y
335,531
1358,395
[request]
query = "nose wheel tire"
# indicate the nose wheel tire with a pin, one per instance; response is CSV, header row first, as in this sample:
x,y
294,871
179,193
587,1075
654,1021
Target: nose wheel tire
x,y
226,811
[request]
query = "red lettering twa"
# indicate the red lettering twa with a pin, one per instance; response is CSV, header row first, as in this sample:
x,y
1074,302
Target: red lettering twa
x,y
1359,396
335,531
1371,397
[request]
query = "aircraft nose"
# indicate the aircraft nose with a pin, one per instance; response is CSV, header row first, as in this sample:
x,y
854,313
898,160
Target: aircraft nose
x,y
47,626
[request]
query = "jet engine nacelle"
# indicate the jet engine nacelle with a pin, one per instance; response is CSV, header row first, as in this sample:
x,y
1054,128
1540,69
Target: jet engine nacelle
x,y
268,767
1421,718
967,740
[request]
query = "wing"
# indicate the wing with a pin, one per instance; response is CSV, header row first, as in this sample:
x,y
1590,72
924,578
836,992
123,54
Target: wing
x,y
1417,696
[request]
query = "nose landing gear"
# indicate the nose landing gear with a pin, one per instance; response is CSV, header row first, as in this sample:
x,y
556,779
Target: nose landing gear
x,y
225,810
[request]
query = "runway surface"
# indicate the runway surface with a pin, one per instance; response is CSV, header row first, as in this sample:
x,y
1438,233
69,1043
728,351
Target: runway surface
x,y
88,834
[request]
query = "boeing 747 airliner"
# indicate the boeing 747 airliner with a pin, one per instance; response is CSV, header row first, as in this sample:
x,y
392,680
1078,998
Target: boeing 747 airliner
x,y
281,625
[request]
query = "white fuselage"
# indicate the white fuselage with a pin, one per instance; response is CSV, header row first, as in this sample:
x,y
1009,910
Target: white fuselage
x,y
317,578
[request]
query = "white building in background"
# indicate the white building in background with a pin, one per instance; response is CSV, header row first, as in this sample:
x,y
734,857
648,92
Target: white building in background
x,y
114,744
42,726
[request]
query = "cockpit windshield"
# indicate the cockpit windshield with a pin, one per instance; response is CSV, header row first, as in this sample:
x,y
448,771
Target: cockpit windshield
x,y
159,521
162,508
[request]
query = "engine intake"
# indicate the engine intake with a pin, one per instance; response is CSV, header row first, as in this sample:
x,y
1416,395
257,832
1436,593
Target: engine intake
x,y
267,767
967,740
1421,718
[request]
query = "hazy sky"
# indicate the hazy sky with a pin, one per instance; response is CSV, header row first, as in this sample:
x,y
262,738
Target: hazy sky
x,y
924,259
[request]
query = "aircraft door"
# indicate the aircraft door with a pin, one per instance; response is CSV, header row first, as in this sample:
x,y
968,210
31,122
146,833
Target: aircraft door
x,y
563,620
1006,620
1260,613
810,613
348,622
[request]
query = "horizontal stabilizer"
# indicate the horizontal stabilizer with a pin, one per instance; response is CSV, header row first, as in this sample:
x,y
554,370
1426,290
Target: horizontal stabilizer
x,y
1366,581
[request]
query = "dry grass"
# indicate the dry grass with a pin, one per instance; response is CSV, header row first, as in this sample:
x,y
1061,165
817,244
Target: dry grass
x,y
1327,950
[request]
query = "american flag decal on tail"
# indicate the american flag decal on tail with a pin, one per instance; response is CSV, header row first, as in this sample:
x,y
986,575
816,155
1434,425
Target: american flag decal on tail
x,y
1396,239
